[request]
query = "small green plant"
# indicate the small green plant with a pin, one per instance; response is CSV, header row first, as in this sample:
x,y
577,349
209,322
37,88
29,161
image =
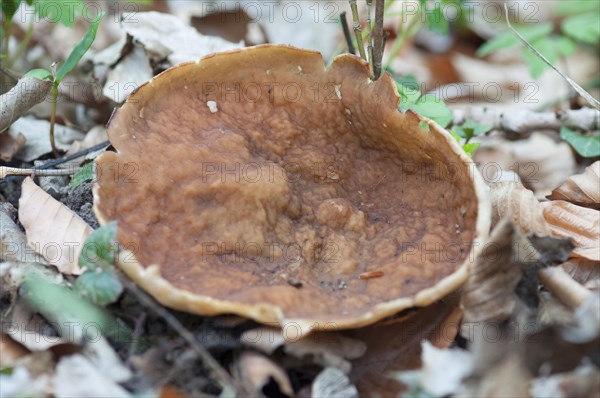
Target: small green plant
x,y
581,25
86,173
72,60
588,146
464,133
99,253
61,11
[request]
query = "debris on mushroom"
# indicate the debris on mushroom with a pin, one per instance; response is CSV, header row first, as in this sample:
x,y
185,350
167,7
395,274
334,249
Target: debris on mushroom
x,y
272,204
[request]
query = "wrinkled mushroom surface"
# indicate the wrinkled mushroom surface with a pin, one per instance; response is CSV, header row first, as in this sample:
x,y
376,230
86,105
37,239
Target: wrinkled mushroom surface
x,y
258,182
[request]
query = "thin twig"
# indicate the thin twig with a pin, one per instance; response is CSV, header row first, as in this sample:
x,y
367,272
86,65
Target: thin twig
x,y
56,162
378,37
357,31
523,121
347,36
580,90
370,35
13,171
224,379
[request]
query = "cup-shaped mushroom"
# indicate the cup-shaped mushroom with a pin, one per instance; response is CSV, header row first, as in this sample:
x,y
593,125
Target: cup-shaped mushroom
x,y
261,183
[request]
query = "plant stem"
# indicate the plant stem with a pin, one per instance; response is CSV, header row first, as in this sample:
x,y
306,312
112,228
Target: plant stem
x,y
53,118
357,31
347,36
370,37
378,38
24,43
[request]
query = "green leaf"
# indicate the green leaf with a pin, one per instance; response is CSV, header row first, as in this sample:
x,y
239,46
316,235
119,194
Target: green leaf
x,y
470,148
99,286
6,371
96,284
434,108
409,91
9,8
470,129
86,173
508,39
587,146
80,49
576,7
565,46
101,245
67,310
40,74
58,11
583,27
548,48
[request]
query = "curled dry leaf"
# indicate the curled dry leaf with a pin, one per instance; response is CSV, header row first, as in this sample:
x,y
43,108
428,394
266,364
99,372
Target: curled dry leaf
x,y
576,222
581,189
37,142
543,163
513,200
325,348
257,371
582,270
52,229
10,145
166,36
397,346
489,294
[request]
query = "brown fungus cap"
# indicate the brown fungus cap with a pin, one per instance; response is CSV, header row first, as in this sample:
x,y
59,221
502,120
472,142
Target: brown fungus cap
x,y
258,182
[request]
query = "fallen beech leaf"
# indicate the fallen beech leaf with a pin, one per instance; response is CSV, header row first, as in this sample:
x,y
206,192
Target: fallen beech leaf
x,y
325,348
52,229
257,371
543,163
582,270
10,145
166,36
37,142
513,200
396,347
576,222
581,189
489,294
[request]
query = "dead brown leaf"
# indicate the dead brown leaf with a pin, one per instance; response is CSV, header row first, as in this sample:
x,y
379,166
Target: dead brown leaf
x,y
542,163
576,222
581,189
582,270
397,346
489,294
513,200
52,229
9,146
10,350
